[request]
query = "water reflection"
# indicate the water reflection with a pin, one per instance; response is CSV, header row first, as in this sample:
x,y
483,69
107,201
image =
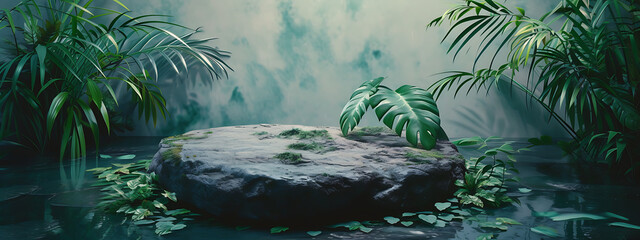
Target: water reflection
x,y
54,201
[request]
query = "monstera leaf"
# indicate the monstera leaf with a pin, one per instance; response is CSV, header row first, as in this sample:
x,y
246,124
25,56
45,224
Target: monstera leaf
x,y
357,105
410,107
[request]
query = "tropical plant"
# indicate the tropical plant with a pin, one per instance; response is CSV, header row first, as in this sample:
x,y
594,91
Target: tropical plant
x,y
581,61
63,59
407,107
128,189
484,183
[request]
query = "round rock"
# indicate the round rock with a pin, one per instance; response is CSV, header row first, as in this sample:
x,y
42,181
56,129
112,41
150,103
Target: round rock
x,y
291,174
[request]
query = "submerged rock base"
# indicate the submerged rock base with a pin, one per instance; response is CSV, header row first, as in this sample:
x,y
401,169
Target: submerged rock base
x,y
290,174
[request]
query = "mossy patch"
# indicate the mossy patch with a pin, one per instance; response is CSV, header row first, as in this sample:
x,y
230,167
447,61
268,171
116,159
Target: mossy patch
x,y
370,131
173,155
172,139
289,158
314,146
421,157
209,132
301,134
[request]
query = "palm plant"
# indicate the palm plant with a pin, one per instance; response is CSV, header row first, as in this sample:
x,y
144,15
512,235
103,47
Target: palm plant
x,y
581,61
64,58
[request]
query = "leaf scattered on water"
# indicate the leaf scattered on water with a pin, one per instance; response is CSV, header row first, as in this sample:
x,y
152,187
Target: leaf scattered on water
x,y
574,216
440,223
391,220
406,223
524,190
446,217
624,225
278,229
428,218
495,225
126,157
314,233
442,205
105,156
510,221
365,229
408,214
544,230
545,214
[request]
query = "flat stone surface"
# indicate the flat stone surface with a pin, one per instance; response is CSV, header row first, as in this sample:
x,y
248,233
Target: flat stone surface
x,y
234,173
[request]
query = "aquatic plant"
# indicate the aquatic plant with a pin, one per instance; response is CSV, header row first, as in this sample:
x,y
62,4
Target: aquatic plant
x,y
128,189
580,60
414,109
65,58
484,182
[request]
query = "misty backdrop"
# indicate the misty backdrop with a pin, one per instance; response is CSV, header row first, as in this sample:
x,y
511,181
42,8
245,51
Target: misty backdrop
x,y
297,62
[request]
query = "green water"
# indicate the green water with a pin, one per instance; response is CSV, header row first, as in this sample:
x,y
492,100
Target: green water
x,y
44,200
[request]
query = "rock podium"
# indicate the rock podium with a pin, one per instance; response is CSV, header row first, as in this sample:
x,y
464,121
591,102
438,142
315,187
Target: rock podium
x,y
290,174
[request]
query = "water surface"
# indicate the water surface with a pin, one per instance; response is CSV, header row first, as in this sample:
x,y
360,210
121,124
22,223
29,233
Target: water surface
x,y
45,200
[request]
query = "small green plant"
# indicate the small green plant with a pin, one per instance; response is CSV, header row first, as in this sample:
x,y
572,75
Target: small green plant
x,y
289,158
369,131
484,183
301,134
128,189
407,107
314,146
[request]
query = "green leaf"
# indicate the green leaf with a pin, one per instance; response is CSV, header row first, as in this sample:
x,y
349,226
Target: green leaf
x,y
524,190
411,108
613,215
624,111
391,220
408,214
545,214
446,217
441,206
509,221
624,225
126,157
428,218
54,109
461,212
406,223
164,227
365,229
547,231
575,216
357,105
352,225
104,156
494,225
177,212
98,170
278,229
170,195
314,233
440,223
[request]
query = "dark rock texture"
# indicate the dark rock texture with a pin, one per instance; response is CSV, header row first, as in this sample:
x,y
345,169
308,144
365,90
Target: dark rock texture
x,y
240,173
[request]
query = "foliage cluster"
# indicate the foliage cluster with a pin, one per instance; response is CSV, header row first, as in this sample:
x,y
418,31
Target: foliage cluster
x,y
407,107
484,182
128,189
66,57
581,61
